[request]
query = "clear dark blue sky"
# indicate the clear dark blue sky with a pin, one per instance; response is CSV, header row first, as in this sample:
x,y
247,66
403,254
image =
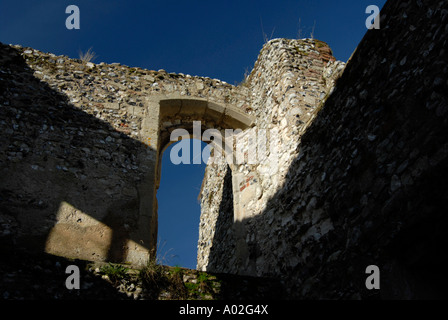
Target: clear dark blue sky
x,y
217,39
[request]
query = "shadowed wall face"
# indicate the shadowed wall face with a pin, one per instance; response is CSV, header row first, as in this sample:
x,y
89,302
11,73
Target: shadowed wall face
x,y
361,181
71,182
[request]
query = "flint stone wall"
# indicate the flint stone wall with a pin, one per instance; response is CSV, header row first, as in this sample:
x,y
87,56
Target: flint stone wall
x,y
361,182
81,144
354,174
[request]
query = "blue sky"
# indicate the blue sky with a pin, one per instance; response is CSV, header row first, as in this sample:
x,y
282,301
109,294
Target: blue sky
x,y
217,39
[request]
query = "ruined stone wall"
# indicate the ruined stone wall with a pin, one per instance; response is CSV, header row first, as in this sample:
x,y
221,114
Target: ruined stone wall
x,y
289,82
354,175
365,184
81,145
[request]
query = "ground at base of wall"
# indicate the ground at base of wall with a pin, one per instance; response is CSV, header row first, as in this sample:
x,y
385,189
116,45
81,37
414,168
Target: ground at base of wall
x,y
30,276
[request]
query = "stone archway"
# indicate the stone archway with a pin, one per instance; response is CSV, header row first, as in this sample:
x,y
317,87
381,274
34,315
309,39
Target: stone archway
x,y
170,113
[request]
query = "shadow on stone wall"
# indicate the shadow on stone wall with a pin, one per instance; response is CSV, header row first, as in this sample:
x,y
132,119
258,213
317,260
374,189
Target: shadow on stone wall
x,y
224,229
372,188
56,157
